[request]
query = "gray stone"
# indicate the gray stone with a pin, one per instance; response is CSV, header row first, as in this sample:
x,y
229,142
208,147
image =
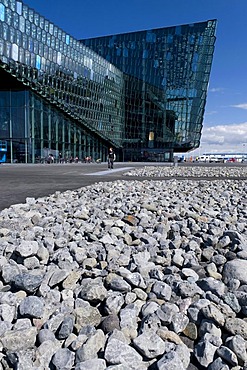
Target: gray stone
x,y
162,290
13,340
128,318
238,345
170,361
114,302
184,354
149,308
91,347
27,248
22,324
227,355
179,322
119,284
45,352
66,327
9,272
4,327
63,359
133,278
87,314
130,297
117,352
94,364
28,282
23,359
150,345
118,367
241,297
7,312
54,322
235,269
31,263
208,326
188,272
213,285
189,289
204,352
231,300
32,306
57,277
93,290
150,323
236,326
109,323
166,312
218,364
212,312
45,334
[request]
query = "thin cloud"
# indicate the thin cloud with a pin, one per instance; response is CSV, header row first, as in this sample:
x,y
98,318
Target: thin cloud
x,y
211,112
241,106
216,89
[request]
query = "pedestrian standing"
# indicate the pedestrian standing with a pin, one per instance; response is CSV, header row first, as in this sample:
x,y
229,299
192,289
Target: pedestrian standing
x,y
111,158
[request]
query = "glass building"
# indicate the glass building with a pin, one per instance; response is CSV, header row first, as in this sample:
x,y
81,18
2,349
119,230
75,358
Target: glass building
x,y
143,93
166,74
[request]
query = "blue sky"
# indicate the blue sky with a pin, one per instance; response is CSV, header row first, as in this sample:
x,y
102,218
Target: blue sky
x,y
225,120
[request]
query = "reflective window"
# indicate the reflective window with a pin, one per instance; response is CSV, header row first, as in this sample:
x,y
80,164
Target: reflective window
x,y
41,22
15,20
19,7
39,34
12,34
8,17
33,31
36,19
25,11
22,24
28,28
2,12
5,31
30,15
24,41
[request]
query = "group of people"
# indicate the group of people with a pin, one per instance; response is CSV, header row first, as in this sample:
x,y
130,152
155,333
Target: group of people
x,y
111,157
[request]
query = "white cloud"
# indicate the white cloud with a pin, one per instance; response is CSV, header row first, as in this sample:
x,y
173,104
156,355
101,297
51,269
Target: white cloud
x,y
241,106
224,138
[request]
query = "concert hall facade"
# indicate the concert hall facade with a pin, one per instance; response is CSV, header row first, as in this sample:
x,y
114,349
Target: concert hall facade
x,y
142,93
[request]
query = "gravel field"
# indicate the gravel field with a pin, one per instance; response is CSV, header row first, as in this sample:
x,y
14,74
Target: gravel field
x,y
127,275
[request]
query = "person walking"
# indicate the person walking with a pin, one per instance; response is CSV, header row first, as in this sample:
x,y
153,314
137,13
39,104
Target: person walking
x,y
111,158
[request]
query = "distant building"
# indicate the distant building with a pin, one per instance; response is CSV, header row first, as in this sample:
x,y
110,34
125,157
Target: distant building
x,y
143,93
223,157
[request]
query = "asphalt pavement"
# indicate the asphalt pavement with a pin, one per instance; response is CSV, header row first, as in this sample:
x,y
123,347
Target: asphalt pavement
x,y
19,181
